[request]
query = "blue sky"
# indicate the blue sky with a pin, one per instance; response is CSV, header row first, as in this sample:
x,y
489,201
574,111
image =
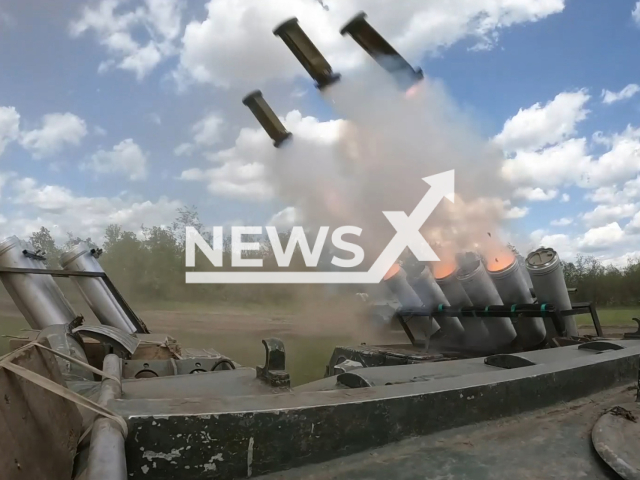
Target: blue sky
x,y
108,90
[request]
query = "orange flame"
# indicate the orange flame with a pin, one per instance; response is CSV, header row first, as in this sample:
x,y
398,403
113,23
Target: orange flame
x,y
393,271
447,264
498,256
413,90
443,269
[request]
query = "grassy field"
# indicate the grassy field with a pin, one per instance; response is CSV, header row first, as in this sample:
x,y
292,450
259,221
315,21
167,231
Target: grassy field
x,y
618,316
307,353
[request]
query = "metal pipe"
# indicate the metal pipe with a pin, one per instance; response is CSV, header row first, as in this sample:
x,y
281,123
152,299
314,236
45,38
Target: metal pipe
x,y
107,459
481,290
306,53
545,268
513,289
396,281
102,303
267,117
38,297
476,332
382,52
431,295
523,270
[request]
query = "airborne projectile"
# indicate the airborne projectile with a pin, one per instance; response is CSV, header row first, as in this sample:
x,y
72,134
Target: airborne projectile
x,y
382,52
267,118
306,53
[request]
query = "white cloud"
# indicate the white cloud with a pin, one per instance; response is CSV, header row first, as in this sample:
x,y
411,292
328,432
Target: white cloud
x,y
58,130
287,218
630,191
605,214
535,194
60,210
562,222
516,212
539,126
207,132
554,166
565,198
620,163
157,25
601,238
235,44
570,162
609,97
125,158
240,171
635,14
234,180
9,126
561,243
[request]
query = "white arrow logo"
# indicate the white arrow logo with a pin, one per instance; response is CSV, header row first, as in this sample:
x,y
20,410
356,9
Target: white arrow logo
x,y
407,235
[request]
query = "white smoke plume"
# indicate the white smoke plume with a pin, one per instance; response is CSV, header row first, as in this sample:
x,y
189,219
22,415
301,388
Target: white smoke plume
x,y
375,159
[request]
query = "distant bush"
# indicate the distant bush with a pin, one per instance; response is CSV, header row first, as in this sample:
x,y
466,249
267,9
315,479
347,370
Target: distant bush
x,y
152,268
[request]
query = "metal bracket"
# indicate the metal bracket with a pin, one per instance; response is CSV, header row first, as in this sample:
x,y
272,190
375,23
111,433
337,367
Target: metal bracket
x,y
346,366
37,255
600,346
96,252
273,371
508,361
634,335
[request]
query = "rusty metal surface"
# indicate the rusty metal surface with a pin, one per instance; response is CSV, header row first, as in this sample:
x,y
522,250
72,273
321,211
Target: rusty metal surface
x,y
118,339
251,435
552,443
38,429
616,438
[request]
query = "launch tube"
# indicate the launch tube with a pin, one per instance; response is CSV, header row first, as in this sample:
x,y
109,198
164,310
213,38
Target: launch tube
x,y
476,333
513,289
38,297
95,292
431,295
482,292
396,281
547,276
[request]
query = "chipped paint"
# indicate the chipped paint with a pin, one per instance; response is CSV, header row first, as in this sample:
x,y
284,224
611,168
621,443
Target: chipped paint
x,y
175,453
145,469
249,456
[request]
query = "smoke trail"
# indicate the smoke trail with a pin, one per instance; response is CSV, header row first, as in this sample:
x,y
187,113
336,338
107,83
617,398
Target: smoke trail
x,y
375,159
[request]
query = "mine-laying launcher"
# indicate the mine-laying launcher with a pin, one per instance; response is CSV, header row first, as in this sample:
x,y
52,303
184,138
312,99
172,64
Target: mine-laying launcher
x,y
493,381
115,401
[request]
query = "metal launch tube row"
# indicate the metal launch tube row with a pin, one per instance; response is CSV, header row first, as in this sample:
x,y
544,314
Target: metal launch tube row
x,y
526,310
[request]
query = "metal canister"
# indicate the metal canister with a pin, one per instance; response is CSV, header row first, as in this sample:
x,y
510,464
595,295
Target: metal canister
x,y
95,292
547,276
426,287
482,292
513,289
396,281
38,297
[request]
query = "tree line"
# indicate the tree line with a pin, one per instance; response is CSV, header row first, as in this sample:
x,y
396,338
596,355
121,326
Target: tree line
x,y
151,267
